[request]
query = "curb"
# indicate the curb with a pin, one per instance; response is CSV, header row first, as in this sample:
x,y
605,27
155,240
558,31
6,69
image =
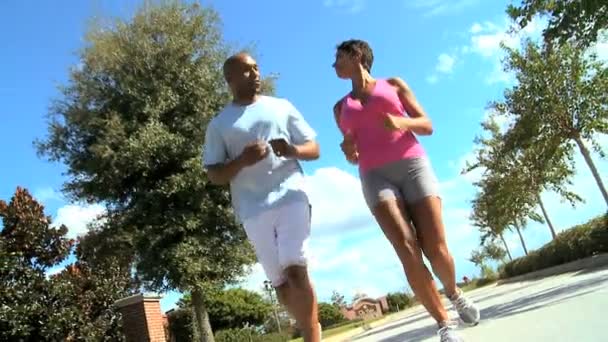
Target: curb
x,y
595,261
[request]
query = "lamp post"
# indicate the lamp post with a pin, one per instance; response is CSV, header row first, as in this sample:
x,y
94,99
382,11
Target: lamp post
x,y
268,287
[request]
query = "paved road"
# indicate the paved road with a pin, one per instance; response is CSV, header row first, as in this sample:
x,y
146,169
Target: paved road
x,y
568,307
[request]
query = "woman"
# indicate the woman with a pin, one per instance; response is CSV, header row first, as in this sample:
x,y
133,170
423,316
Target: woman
x,y
397,178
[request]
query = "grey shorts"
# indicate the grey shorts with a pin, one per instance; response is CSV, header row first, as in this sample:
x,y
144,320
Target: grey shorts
x,y
409,179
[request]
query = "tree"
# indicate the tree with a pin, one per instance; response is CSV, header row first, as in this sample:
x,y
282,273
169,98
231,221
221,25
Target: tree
x,y
29,246
530,171
130,129
580,20
559,103
478,258
481,218
228,309
493,251
234,308
398,301
75,304
337,299
329,315
359,295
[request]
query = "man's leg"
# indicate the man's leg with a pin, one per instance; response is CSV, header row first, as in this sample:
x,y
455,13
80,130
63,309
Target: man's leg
x,y
297,293
298,296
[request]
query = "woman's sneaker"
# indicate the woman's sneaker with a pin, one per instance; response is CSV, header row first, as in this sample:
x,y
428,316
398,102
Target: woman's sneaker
x,y
467,310
448,334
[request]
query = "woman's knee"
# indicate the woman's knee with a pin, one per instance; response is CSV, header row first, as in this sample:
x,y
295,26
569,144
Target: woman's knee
x,y
437,252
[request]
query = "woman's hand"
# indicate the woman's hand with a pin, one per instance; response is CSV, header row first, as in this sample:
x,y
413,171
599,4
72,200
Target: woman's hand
x,y
350,149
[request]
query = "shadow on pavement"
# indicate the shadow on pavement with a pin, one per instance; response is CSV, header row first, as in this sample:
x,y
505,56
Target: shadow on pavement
x,y
544,298
526,303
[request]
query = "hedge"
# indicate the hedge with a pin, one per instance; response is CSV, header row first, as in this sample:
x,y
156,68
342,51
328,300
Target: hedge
x,y
249,335
576,243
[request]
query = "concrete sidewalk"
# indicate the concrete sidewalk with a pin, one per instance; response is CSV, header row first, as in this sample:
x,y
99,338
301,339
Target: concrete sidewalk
x,y
566,307
522,300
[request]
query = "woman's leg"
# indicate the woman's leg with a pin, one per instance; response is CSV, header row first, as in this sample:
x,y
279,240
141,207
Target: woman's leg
x,y
426,215
392,218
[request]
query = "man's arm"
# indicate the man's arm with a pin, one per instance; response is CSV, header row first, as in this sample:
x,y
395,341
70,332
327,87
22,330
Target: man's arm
x,y
307,151
215,156
302,136
222,174
418,122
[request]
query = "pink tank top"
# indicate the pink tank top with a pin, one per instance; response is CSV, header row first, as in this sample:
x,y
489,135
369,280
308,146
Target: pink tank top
x,y
377,145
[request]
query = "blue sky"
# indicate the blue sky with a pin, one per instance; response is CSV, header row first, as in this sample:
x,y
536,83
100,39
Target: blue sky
x,y
446,50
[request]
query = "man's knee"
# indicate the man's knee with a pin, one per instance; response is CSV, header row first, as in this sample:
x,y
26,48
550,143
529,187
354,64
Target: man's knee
x,y
297,276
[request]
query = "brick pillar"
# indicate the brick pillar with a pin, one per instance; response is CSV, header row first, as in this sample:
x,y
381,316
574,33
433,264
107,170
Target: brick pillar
x,y
142,319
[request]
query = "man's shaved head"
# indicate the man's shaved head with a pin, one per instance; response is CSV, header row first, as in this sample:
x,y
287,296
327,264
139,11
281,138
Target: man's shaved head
x,y
233,62
242,75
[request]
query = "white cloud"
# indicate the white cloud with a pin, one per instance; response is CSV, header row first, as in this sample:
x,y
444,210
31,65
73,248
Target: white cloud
x,y
441,7
476,28
486,39
601,47
77,218
47,194
445,63
352,6
54,270
432,79
337,202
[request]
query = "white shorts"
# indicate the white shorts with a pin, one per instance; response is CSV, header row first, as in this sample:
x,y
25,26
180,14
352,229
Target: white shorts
x,y
280,238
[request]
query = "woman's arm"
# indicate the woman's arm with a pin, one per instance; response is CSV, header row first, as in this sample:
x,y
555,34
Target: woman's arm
x,y
337,112
348,145
417,122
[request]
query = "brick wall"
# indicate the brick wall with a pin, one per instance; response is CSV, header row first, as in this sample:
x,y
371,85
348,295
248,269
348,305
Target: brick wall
x,y
142,318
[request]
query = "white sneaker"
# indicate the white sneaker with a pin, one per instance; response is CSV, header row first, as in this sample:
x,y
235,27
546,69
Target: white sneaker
x,y
467,310
448,334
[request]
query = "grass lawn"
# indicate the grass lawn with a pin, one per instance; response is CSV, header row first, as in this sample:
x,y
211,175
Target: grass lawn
x,y
343,328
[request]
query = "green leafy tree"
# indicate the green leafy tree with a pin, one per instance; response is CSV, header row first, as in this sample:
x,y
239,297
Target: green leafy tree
x,y
493,251
75,304
29,246
329,315
580,20
234,308
482,218
558,104
528,170
130,129
398,301
337,299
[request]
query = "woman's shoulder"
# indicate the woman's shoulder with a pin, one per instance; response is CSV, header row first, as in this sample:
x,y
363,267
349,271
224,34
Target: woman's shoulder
x,y
338,105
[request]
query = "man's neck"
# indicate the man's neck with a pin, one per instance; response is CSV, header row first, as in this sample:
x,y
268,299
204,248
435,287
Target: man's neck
x,y
245,100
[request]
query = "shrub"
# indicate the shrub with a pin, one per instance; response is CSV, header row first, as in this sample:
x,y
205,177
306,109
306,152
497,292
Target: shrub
x,y
576,243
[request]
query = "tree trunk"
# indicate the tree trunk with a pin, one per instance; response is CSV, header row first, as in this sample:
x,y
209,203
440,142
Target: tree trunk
x,y
521,237
201,316
504,242
549,223
596,174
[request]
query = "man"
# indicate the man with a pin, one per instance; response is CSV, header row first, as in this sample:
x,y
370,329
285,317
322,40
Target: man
x,y
267,188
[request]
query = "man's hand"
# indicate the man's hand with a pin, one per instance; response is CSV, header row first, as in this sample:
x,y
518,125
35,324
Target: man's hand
x,y
282,148
350,149
254,152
